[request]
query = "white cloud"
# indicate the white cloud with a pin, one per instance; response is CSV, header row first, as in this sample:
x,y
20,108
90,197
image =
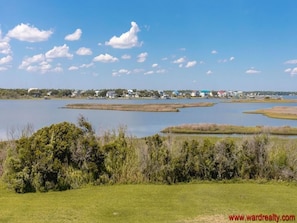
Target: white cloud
x,y
209,72
191,64
232,58
142,57
73,68
83,51
74,36
155,65
214,52
124,71
4,45
5,60
291,61
105,58
161,71
127,40
86,65
252,71
149,72
59,52
126,57
57,70
30,60
293,71
180,60
25,32
44,67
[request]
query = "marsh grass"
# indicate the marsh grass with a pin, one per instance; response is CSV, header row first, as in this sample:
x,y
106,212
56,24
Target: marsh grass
x,y
280,112
208,128
139,107
194,202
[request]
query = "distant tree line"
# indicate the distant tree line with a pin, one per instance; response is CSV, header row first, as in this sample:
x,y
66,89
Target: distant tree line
x,y
66,156
67,93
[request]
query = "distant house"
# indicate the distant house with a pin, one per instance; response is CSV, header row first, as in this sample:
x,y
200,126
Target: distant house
x,y
205,93
111,94
222,94
175,93
194,93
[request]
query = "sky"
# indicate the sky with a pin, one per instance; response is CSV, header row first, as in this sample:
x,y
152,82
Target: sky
x,y
146,44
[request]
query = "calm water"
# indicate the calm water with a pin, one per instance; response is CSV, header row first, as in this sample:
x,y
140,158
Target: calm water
x,y
15,114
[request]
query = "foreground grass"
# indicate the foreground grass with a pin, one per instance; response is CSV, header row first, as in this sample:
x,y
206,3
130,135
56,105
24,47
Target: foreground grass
x,y
229,129
201,202
139,107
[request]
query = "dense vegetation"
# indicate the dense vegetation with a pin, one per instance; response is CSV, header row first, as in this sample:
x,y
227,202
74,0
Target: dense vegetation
x,y
65,156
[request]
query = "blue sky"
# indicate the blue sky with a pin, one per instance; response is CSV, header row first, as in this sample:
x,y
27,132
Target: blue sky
x,y
166,44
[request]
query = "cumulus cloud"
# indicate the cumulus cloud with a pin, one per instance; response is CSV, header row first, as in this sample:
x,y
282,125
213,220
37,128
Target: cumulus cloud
x,y
83,51
293,71
59,52
74,36
161,71
209,72
126,57
105,58
73,68
252,71
87,65
127,40
191,64
4,45
291,61
180,60
120,72
5,60
57,69
155,65
214,52
26,32
142,57
30,60
42,67
232,58
149,72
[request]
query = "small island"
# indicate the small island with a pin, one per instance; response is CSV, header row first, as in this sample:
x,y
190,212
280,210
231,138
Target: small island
x,y
167,107
210,128
281,112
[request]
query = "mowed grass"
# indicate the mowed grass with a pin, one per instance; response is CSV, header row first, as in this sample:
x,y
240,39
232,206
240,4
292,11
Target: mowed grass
x,y
199,202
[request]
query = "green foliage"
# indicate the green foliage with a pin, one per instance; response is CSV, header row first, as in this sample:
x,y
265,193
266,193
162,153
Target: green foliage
x,y
58,157
66,156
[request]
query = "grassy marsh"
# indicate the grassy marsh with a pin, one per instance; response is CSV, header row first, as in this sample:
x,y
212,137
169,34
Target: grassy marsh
x,y
139,107
229,129
281,112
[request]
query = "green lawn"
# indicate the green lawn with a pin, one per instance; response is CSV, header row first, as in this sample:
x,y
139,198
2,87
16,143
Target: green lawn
x,y
201,202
